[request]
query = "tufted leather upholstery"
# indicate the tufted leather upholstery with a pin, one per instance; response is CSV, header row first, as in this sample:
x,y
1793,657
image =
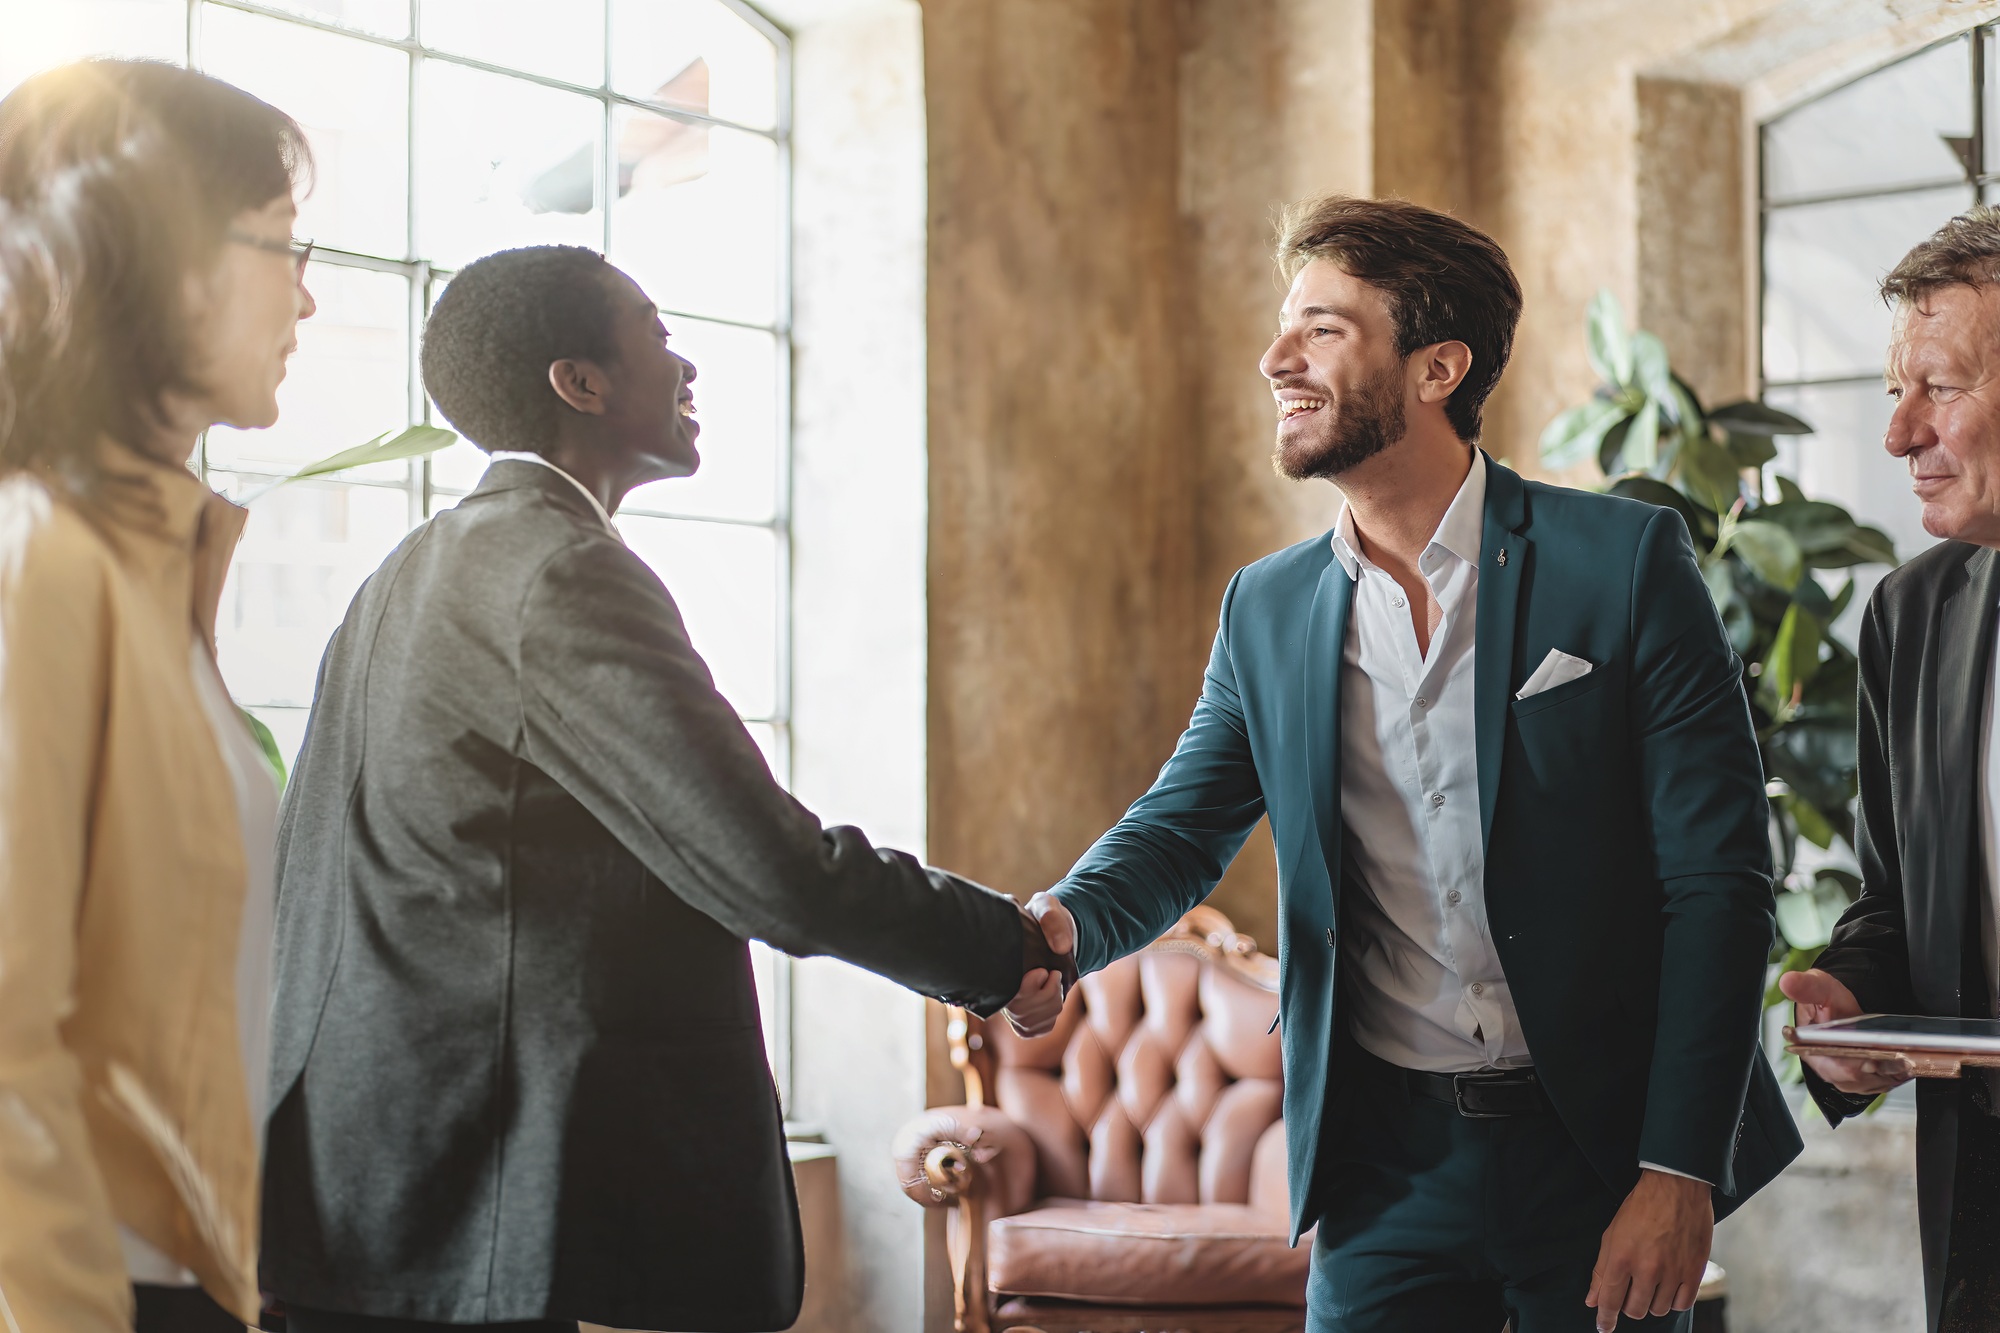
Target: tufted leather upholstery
x,y
1155,1086
1134,1157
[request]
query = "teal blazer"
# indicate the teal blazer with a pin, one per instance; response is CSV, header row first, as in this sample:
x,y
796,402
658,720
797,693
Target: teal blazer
x,y
1628,862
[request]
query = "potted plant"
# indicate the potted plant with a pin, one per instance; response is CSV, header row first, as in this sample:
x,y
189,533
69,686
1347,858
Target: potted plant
x,y
1763,546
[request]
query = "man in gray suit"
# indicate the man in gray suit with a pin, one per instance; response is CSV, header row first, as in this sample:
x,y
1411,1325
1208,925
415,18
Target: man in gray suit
x,y
518,1074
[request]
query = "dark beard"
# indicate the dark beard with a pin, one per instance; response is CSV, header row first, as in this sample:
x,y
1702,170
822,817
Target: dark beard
x,y
1363,424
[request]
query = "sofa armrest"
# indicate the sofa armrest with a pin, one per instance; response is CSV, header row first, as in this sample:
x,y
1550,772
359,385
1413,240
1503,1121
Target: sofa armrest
x,y
952,1151
979,1164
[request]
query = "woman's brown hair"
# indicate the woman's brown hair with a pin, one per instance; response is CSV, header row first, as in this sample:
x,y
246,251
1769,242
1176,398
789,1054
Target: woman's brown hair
x,y
118,181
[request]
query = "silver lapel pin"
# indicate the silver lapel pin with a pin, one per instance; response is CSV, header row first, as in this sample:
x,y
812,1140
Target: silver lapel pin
x,y
1501,559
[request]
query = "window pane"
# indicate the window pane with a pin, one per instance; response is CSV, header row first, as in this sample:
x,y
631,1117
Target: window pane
x,y
563,41
768,740
696,219
460,467
1903,125
505,163
386,18
1846,463
697,54
1822,265
35,34
305,551
348,382
353,99
736,401
725,581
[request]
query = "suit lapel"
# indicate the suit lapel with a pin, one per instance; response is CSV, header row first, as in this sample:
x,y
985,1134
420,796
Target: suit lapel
x,y
1326,635
1503,558
1965,650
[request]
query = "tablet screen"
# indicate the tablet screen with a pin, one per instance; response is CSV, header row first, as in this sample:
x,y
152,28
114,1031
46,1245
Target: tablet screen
x,y
1906,1030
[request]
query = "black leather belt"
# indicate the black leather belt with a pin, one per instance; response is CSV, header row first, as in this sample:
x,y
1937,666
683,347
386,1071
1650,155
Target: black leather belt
x,y
1489,1094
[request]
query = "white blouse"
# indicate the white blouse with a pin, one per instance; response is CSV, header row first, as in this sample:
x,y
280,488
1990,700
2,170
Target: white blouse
x,y
257,814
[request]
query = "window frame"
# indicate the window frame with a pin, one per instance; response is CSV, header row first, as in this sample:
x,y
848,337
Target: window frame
x,y
425,278
1979,183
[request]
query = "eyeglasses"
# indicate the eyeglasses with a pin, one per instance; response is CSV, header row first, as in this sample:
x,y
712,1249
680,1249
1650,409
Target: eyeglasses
x,y
299,251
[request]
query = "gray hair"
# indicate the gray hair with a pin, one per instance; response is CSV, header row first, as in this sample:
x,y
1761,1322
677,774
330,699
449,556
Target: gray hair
x,y
1964,250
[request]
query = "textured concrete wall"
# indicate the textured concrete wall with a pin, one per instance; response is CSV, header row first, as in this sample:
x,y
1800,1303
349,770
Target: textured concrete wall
x,y
1062,495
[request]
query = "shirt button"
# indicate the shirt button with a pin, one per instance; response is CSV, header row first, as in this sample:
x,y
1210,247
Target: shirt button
x,y
1396,602
1452,897
1478,988
1437,799
1423,702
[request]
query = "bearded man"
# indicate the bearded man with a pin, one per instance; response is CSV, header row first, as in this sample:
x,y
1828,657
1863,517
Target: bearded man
x,y
1524,876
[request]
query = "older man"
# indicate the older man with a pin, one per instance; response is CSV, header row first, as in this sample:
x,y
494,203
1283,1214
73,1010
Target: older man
x,y
1923,938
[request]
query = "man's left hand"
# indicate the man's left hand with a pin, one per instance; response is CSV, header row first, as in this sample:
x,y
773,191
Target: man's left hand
x,y
1654,1251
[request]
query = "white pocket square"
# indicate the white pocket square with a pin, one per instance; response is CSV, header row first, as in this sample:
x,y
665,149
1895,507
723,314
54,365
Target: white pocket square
x,y
1558,668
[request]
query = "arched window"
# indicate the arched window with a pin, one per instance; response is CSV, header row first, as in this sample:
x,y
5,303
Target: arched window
x,y
1850,181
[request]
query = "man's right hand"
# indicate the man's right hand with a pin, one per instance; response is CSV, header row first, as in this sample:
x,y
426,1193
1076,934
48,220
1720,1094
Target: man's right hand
x,y
1051,968
1822,999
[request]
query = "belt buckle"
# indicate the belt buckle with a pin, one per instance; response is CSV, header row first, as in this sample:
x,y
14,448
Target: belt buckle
x,y
1459,1084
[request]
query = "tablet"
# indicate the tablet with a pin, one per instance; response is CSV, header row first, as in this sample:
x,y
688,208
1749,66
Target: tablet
x,y
1906,1032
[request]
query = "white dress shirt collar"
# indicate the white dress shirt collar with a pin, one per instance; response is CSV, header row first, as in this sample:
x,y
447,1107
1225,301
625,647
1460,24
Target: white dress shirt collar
x,y
522,456
1459,532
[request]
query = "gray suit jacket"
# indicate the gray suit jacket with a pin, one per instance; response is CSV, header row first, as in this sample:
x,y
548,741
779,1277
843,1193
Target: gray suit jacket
x,y
517,1065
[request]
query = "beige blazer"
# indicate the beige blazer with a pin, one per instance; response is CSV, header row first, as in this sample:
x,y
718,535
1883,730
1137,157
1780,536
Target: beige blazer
x,y
122,879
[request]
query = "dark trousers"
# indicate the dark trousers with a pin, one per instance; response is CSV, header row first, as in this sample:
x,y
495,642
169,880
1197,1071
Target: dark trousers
x,y
302,1320
1972,1269
1439,1222
179,1310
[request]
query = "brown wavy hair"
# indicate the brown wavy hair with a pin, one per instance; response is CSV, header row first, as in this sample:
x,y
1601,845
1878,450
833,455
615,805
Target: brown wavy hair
x,y
118,180
1444,281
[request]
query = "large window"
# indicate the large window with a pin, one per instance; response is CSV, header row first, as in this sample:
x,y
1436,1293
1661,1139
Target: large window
x,y
1851,180
655,131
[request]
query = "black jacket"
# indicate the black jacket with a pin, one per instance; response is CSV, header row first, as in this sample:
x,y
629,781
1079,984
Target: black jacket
x,y
517,1065
1908,945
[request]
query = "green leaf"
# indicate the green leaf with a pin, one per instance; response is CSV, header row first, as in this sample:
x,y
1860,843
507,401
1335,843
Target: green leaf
x,y
1613,444
1750,418
1871,546
1750,450
1813,599
1709,474
1655,492
1846,882
1770,551
1642,441
384,448
1788,490
1651,372
1794,656
268,743
1799,921
1604,338
1687,409
1575,435
1818,527
1841,601
1811,824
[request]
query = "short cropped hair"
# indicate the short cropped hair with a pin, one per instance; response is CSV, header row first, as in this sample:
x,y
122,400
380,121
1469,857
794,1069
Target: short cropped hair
x,y
1964,250
499,326
1443,280
118,180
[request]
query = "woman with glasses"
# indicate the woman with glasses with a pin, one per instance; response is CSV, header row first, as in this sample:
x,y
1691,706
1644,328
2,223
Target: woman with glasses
x,y
149,289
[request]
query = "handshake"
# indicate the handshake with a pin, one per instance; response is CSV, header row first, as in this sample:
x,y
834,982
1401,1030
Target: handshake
x,y
1048,966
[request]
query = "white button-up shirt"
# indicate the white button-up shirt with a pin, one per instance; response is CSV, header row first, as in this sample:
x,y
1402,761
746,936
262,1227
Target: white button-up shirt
x,y
522,456
1422,985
